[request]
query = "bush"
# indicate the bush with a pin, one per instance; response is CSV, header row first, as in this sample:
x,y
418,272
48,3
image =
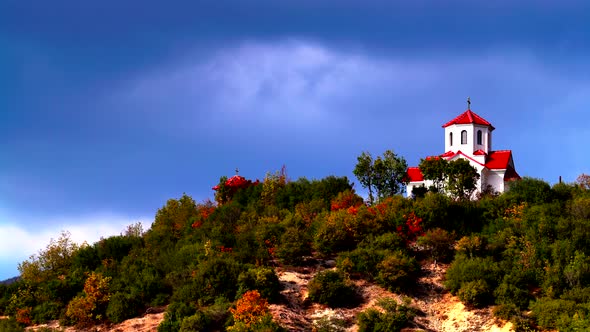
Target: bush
x,y
197,322
464,270
331,288
439,242
548,312
217,277
263,279
397,271
391,318
174,315
46,311
121,307
294,245
10,325
475,293
505,311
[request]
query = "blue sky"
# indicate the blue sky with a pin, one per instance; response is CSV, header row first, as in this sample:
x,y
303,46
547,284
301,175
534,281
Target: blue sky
x,y
108,109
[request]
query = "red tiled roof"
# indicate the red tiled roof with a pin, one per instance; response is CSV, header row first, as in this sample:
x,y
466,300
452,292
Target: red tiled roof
x,y
414,174
448,154
468,117
499,159
479,152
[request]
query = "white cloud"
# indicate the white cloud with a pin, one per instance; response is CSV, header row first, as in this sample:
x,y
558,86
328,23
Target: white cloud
x,y
18,240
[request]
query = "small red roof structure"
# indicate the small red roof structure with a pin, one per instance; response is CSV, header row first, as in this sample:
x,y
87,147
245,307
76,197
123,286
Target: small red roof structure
x,y
469,117
414,174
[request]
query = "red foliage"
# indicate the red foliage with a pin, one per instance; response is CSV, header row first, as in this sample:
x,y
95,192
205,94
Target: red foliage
x,y
271,246
204,213
346,200
412,229
225,249
231,186
23,316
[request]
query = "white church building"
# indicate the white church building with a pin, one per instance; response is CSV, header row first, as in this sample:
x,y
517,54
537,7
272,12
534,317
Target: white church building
x,y
469,136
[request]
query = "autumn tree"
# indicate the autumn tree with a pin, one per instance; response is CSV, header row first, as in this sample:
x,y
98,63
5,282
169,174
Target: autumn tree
x,y
55,260
385,175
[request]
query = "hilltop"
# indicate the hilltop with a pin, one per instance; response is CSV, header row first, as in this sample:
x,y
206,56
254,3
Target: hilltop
x,y
312,255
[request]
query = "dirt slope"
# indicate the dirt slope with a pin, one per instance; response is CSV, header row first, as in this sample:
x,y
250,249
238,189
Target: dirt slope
x,y
441,311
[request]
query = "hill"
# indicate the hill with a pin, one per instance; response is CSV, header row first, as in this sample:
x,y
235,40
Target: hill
x,y
305,255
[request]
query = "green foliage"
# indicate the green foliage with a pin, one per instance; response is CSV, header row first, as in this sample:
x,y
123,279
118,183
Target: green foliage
x,y
435,170
122,306
197,322
294,245
549,312
397,271
10,325
439,242
464,270
530,190
461,179
46,311
217,277
385,175
476,293
331,288
174,316
456,177
505,311
55,260
391,317
262,279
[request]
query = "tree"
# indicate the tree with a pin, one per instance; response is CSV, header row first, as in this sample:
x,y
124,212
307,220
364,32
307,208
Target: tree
x,y
435,170
385,175
462,178
55,260
364,172
390,172
457,178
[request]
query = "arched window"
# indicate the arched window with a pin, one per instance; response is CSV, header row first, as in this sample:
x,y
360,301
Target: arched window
x,y
451,139
464,137
479,137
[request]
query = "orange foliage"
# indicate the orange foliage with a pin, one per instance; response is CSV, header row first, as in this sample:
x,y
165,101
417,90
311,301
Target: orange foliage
x,y
250,308
23,316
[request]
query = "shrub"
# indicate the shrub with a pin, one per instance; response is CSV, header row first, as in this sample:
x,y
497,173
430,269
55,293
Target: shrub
x,y
46,311
397,271
174,315
294,245
262,279
508,293
10,325
476,293
121,307
197,322
331,288
252,313
391,318
505,311
216,277
439,242
464,270
548,312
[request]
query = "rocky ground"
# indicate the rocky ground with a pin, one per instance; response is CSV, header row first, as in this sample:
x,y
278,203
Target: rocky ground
x,y
438,310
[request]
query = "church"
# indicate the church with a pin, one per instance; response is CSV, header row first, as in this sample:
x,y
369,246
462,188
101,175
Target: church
x,y
469,136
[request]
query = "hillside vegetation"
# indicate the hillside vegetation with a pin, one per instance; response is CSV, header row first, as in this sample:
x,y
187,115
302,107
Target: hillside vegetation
x,y
525,252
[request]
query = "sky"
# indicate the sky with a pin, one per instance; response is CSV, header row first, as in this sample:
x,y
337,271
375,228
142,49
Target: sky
x,y
110,108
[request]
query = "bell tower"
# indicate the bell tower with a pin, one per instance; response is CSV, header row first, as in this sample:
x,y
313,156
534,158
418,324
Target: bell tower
x,y
468,133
